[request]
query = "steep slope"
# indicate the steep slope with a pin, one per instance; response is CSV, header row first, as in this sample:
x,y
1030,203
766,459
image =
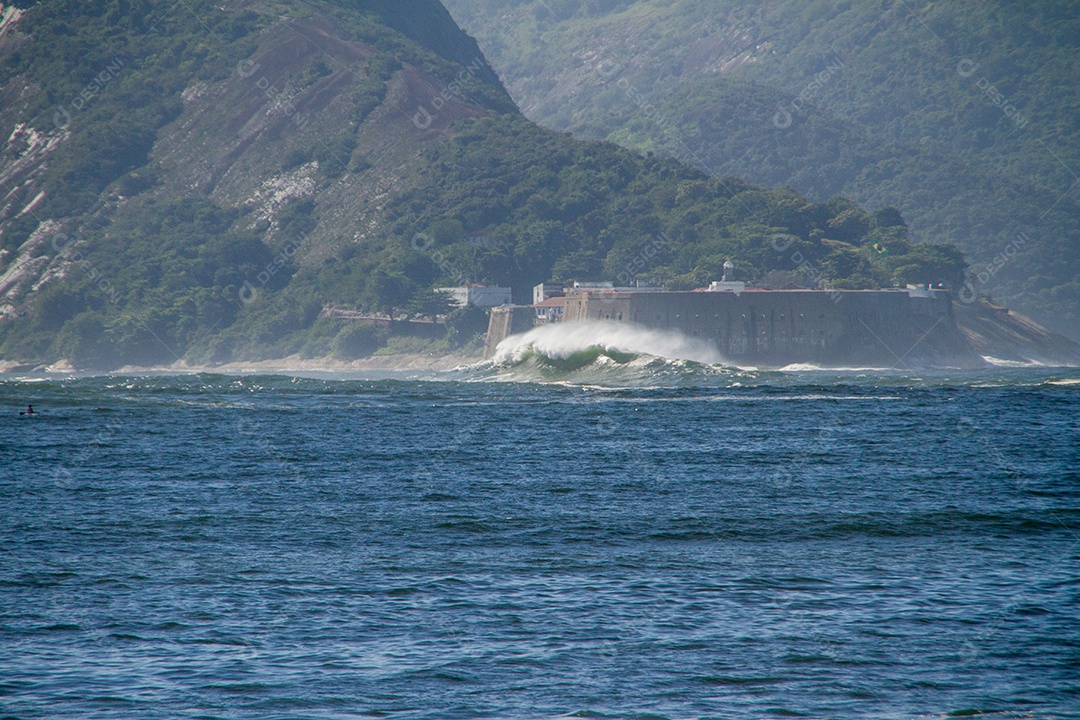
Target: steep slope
x,y
212,182
965,117
999,333
162,160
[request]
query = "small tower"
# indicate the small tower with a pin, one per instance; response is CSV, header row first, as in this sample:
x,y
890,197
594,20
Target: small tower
x,y
729,283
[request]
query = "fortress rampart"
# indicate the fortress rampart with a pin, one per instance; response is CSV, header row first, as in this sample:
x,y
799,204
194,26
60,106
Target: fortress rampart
x,y
852,328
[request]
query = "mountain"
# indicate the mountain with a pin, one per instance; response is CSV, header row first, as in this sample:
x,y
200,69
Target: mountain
x,y
965,117
202,182
213,182
168,163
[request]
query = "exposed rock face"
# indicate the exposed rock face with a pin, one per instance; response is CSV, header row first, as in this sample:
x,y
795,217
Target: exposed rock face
x,y
999,333
831,99
310,91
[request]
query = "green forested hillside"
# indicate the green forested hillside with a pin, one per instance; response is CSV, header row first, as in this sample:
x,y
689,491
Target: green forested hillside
x,y
562,209
966,117
168,164
223,177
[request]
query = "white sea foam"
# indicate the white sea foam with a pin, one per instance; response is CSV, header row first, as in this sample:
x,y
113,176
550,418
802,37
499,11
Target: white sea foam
x,y
998,362
561,340
810,367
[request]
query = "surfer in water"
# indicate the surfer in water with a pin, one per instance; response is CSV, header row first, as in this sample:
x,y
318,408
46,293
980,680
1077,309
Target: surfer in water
x,y
28,411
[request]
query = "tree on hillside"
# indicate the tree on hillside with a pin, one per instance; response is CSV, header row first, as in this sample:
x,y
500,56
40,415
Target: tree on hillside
x,y
431,303
386,292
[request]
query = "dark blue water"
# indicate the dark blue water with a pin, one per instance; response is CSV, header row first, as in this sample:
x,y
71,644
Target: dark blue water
x,y
748,545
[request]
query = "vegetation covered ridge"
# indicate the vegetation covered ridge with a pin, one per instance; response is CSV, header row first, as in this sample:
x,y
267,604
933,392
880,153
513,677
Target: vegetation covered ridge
x,y
276,178
965,117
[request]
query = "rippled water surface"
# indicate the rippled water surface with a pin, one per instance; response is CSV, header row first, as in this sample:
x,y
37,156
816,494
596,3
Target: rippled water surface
x,y
692,542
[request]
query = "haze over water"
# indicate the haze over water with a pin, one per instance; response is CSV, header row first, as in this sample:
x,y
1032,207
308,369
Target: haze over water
x,y
613,537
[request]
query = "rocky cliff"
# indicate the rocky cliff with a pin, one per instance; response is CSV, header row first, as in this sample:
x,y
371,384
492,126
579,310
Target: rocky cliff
x,y
305,111
1000,334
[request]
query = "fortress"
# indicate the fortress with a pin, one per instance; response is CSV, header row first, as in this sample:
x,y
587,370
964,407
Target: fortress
x,y
911,327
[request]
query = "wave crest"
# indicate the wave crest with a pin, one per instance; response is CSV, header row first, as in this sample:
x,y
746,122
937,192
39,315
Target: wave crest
x,y
591,339
608,353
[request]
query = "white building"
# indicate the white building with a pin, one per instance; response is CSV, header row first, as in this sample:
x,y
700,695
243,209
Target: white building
x,y
609,287
591,286
478,295
735,286
545,291
729,283
550,310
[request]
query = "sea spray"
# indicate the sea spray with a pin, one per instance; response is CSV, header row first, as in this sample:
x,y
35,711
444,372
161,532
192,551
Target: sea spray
x,y
564,340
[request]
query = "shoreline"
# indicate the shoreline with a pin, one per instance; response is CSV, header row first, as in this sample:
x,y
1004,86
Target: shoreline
x,y
404,362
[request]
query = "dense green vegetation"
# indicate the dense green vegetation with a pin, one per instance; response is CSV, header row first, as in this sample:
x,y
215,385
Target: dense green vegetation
x,y
1031,231
168,272
148,279
111,73
966,117
560,209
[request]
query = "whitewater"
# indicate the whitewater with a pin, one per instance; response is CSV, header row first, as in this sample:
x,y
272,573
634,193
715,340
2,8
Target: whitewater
x,y
621,528
564,340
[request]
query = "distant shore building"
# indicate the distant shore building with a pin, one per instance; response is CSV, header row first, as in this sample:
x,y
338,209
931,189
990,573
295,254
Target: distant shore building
x,y
550,310
608,287
772,328
546,291
579,287
734,286
478,295
729,283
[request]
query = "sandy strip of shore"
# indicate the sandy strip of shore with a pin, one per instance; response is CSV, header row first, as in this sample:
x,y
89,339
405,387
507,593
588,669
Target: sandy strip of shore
x,y
295,363
416,362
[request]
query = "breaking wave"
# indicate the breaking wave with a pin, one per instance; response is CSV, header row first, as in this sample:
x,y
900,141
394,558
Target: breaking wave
x,y
563,341
603,352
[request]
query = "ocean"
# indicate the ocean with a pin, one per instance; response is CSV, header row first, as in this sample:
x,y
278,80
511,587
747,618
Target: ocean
x,y
597,535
